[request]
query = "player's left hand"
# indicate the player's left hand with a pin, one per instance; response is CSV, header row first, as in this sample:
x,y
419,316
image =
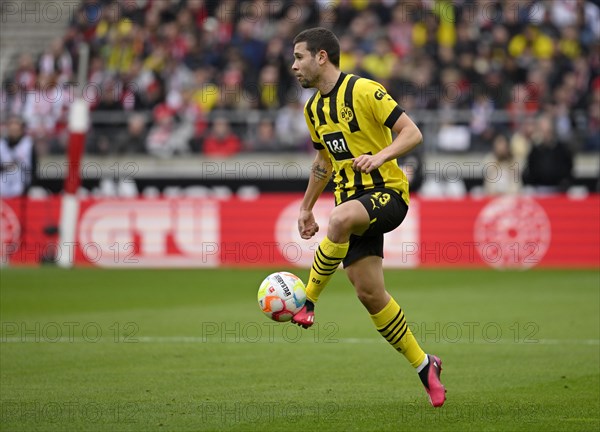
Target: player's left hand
x,y
366,163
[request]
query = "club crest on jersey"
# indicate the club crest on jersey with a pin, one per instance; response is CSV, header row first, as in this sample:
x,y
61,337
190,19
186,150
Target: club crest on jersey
x,y
346,114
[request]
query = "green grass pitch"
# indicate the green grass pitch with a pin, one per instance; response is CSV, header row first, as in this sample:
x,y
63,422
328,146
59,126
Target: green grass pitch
x,y
189,350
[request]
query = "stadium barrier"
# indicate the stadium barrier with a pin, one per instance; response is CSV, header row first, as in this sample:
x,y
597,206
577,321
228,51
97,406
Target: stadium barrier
x,y
505,232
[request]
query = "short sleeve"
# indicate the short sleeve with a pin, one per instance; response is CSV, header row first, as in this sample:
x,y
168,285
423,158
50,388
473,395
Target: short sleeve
x,y
385,109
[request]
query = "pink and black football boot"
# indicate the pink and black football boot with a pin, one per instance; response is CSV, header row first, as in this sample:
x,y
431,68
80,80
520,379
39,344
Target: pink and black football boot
x,y
430,377
305,317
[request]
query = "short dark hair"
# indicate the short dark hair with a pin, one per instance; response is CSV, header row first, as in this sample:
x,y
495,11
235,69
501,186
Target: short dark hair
x,y
318,39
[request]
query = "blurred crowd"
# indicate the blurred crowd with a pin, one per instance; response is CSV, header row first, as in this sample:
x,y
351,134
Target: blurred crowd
x,y
209,77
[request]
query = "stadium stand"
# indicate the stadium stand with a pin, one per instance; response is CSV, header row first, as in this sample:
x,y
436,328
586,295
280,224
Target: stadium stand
x,y
468,71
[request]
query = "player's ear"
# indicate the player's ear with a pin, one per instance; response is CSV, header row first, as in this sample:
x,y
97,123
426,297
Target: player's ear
x,y
322,56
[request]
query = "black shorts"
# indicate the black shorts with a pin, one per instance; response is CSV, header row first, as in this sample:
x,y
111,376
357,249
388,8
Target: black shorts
x,y
386,210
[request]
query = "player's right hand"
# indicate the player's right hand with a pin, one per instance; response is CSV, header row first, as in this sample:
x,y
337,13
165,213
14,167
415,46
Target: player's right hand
x,y
307,226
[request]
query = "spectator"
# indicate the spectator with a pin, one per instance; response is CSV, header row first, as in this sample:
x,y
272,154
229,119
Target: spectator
x,y
481,125
523,56
290,127
592,141
17,160
269,88
500,170
120,52
56,59
44,112
251,49
521,105
109,107
133,139
154,94
264,138
347,52
530,44
167,137
43,106
401,29
563,111
382,61
233,95
521,141
25,75
412,165
549,163
198,11
207,93
221,141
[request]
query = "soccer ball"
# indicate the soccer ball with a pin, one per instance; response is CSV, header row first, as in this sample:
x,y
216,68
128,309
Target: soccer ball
x,y
281,295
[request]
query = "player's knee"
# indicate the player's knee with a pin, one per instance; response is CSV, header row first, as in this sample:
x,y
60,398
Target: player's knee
x,y
339,227
363,292
367,298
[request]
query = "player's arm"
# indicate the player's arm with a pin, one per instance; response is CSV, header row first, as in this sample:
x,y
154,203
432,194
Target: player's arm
x,y
320,173
408,137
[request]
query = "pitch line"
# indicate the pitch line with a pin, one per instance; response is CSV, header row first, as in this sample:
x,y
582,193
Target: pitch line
x,y
274,340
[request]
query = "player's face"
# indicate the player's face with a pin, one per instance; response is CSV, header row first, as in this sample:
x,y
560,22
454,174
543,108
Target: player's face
x,y
305,66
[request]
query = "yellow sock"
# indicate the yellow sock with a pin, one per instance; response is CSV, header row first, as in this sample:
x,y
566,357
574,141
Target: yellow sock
x,y
390,322
327,258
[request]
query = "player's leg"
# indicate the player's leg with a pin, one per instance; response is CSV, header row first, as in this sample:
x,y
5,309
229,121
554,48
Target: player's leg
x,y
366,274
346,219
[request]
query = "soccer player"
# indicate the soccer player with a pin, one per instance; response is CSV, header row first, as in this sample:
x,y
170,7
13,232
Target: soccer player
x,y
351,120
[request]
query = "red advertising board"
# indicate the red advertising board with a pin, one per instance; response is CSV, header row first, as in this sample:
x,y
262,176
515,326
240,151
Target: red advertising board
x,y
514,232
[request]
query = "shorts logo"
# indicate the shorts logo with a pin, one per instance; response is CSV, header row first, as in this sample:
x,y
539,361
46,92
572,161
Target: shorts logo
x,y
379,199
346,114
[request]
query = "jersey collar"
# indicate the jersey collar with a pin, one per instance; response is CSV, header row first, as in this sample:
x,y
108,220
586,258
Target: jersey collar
x,y
336,86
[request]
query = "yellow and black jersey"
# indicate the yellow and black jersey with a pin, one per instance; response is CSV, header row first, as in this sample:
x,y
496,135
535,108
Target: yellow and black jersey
x,y
355,118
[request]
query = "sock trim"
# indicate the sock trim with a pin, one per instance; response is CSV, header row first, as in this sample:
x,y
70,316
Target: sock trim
x,y
423,364
310,298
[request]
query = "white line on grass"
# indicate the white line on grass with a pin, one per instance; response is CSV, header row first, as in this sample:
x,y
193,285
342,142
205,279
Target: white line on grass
x,y
266,340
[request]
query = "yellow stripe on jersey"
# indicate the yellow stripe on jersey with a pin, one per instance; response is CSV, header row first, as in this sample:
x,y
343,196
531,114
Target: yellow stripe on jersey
x,y
355,118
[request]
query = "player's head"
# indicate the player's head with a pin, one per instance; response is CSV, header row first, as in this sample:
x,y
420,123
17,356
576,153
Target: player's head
x,y
313,49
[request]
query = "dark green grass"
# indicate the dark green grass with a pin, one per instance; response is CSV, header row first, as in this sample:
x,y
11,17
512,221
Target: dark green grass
x,y
98,350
